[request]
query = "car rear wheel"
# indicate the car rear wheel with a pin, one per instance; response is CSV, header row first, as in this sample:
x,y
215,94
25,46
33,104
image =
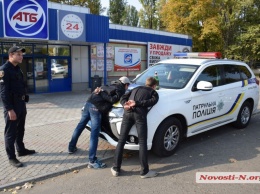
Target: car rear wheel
x,y
244,116
167,137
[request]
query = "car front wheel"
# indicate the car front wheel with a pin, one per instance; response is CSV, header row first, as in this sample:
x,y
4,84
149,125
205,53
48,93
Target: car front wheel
x,y
167,137
244,116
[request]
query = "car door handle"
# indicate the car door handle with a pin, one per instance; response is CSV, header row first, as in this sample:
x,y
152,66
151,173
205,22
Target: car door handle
x,y
220,95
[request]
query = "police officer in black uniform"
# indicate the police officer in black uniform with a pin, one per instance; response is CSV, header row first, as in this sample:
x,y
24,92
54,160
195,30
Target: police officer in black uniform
x,y
13,95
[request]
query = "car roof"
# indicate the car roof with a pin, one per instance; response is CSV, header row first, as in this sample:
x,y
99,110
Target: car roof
x,y
193,61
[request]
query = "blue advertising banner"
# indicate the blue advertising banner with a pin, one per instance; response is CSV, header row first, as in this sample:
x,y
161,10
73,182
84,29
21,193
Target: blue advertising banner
x,y
26,19
71,26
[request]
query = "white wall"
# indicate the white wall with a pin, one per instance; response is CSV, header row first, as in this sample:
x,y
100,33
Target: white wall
x,y
79,67
84,63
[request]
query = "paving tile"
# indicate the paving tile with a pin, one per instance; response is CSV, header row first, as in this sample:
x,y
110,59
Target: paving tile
x,y
50,122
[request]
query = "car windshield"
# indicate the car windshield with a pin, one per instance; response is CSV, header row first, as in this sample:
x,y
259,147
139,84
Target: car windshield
x,y
58,65
172,76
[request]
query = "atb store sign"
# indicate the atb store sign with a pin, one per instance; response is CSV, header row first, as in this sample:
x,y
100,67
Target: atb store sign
x,y
26,19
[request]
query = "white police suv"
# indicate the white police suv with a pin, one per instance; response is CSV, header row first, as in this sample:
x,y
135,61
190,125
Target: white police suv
x,y
195,95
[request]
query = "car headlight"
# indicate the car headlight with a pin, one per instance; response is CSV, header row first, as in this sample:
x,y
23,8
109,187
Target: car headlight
x,y
116,112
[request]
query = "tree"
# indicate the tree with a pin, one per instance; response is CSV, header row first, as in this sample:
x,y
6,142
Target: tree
x,y
116,11
57,1
131,16
229,26
196,18
159,6
68,2
148,15
94,5
247,39
248,50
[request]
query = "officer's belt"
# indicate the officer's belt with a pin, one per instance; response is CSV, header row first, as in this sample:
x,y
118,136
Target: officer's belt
x,y
18,96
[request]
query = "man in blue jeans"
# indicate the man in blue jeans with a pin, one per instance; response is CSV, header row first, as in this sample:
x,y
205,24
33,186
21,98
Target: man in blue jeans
x,y
99,103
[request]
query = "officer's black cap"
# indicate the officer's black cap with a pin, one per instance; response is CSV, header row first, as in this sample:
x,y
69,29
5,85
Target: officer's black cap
x,y
15,49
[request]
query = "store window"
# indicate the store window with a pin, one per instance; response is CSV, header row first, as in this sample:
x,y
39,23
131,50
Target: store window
x,y
97,60
41,75
6,47
58,50
59,68
28,47
40,49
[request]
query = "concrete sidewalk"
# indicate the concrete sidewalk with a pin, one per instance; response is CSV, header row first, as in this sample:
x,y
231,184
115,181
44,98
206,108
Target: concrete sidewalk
x,y
51,119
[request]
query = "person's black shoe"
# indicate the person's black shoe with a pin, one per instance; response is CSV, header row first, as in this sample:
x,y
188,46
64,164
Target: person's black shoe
x,y
26,152
16,163
72,151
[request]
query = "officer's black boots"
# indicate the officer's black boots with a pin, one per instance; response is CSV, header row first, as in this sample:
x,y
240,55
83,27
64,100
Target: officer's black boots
x,y
26,152
16,163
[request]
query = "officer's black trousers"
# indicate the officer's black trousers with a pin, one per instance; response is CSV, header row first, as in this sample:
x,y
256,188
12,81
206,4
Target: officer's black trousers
x,y
14,130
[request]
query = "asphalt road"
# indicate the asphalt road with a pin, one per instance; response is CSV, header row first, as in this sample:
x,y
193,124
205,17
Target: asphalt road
x,y
224,149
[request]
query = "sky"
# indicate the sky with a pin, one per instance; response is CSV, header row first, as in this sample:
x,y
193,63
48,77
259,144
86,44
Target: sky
x,y
136,3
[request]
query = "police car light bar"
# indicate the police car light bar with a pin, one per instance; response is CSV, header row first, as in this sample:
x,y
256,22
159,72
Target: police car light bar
x,y
208,55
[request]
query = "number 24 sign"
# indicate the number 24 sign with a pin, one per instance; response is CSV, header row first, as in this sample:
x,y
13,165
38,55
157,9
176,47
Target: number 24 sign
x,y
72,26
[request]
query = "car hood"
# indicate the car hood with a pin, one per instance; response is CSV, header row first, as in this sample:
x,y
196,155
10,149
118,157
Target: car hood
x,y
162,92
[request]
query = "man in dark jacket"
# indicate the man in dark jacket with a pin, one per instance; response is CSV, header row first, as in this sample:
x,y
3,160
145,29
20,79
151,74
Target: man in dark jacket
x,y
136,103
99,102
13,94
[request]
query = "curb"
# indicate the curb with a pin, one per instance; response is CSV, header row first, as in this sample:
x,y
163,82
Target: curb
x,y
45,176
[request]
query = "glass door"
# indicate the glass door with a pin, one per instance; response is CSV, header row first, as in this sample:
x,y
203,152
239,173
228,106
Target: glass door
x,y
60,77
40,73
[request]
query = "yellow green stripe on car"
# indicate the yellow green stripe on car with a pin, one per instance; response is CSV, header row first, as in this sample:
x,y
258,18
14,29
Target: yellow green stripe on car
x,y
232,109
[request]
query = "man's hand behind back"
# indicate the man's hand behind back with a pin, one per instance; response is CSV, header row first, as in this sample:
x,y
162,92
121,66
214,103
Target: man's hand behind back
x,y
129,105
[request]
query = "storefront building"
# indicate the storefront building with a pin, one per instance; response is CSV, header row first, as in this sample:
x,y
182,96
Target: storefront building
x,y
66,45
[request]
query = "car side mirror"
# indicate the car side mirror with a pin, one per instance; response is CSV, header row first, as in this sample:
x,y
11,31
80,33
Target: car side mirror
x,y
204,86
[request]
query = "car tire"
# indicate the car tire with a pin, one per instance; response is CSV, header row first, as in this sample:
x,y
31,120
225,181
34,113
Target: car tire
x,y
167,137
244,116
